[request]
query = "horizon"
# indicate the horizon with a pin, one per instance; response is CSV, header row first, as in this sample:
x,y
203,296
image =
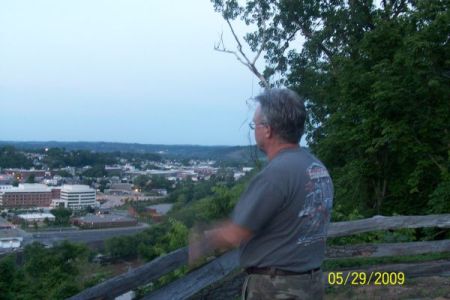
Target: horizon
x,y
130,143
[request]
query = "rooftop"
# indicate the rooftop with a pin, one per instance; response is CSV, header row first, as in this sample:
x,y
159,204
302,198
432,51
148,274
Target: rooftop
x,y
28,188
76,188
32,216
10,233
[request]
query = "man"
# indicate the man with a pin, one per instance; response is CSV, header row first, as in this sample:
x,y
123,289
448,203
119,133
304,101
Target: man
x,y
281,220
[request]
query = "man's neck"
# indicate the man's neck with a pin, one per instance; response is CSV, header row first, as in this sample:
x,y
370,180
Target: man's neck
x,y
273,150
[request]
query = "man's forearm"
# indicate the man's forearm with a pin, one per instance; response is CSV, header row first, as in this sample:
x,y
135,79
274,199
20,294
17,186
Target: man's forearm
x,y
227,235
224,236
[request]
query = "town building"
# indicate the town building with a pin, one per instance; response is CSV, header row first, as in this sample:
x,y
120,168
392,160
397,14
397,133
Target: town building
x,y
104,221
36,217
119,189
10,239
26,195
6,179
23,174
56,203
79,196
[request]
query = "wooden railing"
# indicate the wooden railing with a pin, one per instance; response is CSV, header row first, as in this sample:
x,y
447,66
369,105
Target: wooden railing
x,y
220,267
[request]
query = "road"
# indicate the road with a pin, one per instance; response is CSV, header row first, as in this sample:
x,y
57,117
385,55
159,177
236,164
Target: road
x,y
86,236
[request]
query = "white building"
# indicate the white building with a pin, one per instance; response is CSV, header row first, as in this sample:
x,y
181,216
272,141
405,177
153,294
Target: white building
x,y
36,217
78,196
59,203
6,188
10,239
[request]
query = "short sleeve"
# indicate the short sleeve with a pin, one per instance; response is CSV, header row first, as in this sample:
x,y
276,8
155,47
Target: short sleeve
x,y
258,204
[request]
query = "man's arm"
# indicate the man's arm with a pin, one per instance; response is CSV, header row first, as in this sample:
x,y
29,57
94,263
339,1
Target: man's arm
x,y
225,235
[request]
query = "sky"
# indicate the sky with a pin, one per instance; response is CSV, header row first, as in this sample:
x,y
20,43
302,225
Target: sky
x,y
133,71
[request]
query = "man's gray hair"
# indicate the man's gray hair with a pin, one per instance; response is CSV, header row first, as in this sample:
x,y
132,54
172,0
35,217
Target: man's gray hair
x,y
284,111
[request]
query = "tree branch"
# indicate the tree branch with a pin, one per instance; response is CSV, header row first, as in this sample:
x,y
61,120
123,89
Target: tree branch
x,y
433,159
238,42
398,8
307,33
241,57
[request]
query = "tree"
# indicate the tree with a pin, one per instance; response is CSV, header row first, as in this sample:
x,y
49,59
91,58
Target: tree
x,y
143,182
56,279
45,273
64,173
8,278
376,83
31,179
95,172
11,158
62,216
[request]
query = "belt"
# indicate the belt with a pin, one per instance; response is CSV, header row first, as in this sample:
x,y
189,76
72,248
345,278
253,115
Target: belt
x,y
275,271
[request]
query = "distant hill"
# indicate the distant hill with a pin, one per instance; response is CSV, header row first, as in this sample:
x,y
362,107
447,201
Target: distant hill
x,y
220,153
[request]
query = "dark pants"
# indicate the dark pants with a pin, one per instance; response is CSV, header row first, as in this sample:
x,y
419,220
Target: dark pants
x,y
306,286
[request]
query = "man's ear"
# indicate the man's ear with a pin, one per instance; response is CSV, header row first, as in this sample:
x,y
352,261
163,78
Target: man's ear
x,y
269,132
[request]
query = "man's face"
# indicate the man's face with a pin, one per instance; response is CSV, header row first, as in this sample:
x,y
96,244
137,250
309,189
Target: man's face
x,y
260,129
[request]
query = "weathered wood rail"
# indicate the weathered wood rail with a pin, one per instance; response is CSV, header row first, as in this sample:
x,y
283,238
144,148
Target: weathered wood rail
x,y
222,266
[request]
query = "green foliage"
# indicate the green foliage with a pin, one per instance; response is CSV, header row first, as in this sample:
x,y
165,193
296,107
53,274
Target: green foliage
x,y
376,237
376,84
8,274
163,280
95,172
188,191
146,183
62,216
31,179
120,247
12,158
222,202
151,243
142,182
177,236
59,157
217,202
63,173
45,274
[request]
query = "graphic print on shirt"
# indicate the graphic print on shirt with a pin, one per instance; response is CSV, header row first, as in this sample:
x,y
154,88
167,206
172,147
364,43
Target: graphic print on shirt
x,y
315,214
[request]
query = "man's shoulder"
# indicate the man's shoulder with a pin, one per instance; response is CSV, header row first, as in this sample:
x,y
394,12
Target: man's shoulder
x,y
291,159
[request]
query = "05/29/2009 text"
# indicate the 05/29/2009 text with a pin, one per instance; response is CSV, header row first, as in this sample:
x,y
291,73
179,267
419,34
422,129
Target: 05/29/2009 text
x,y
366,278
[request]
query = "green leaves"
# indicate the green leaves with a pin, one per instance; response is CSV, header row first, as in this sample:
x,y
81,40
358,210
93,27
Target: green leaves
x,y
376,83
45,274
12,158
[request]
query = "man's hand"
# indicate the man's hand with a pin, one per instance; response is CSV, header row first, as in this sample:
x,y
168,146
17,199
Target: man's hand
x,y
197,246
225,235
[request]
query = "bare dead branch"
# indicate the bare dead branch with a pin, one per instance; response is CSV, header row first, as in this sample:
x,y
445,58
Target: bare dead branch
x,y
221,48
234,53
240,55
238,42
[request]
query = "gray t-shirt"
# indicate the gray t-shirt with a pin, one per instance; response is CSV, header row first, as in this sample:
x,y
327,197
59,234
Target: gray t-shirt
x,y
287,206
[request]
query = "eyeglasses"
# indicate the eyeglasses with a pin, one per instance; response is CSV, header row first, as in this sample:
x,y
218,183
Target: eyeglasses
x,y
253,125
